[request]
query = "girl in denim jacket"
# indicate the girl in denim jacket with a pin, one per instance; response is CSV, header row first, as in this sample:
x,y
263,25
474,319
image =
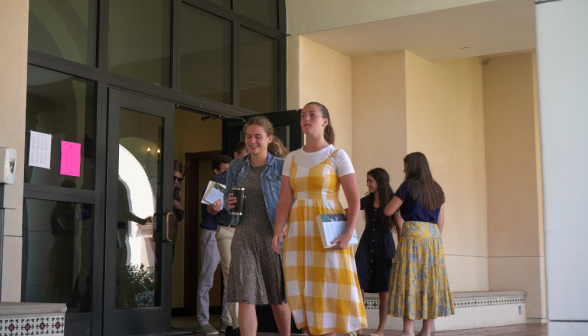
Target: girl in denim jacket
x,y
256,275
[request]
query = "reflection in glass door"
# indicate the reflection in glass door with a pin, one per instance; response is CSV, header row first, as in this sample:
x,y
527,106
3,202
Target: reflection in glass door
x,y
139,218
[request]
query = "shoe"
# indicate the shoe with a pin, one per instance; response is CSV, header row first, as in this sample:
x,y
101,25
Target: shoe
x,y
223,328
206,329
229,331
236,332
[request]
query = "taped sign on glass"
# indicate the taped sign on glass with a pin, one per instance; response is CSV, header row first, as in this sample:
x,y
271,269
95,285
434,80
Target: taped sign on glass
x,y
70,158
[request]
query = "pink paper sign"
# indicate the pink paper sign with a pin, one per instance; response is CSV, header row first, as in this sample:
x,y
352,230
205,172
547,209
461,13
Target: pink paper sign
x,y
70,158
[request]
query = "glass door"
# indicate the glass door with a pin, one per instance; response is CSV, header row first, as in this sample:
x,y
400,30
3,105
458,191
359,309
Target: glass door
x,y
139,215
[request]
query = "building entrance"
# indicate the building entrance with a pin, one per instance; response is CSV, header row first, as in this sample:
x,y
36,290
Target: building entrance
x,y
108,77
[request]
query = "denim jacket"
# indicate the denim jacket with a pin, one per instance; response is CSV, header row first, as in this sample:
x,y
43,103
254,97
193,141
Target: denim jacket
x,y
271,182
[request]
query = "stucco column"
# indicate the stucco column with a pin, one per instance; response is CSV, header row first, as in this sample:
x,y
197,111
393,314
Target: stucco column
x,y
14,18
562,54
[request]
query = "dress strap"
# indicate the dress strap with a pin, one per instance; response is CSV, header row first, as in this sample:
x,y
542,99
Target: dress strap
x,y
330,156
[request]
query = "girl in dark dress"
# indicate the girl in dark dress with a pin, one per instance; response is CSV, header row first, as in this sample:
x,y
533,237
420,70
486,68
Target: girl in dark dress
x,y
376,248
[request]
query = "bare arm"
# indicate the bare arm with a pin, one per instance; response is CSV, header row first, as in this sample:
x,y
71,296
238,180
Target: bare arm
x,y
283,212
393,206
349,184
441,219
398,222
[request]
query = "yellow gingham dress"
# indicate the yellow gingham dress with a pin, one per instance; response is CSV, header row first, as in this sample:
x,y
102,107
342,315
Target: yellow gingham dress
x,y
321,284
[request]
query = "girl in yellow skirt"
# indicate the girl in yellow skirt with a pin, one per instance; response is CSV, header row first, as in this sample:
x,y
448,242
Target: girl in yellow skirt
x,y
418,287
321,284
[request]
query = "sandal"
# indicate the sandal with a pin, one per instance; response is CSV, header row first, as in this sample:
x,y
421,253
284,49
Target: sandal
x,y
351,333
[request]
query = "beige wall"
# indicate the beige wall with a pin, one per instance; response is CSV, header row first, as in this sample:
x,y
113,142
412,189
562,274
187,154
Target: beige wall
x,y
192,135
445,121
379,115
14,16
402,103
515,242
469,119
325,77
379,118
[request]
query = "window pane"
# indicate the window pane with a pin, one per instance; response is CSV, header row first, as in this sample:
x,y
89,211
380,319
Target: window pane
x,y
264,11
139,40
224,3
139,197
283,133
57,254
65,29
258,72
65,107
206,55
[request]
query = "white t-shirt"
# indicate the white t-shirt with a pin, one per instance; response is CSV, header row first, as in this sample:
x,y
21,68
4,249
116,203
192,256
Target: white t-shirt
x,y
340,160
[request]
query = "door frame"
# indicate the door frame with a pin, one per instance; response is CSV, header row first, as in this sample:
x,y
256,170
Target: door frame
x,y
151,319
192,195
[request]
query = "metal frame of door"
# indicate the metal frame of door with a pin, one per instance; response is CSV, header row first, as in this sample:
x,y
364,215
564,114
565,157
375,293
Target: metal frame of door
x,y
147,320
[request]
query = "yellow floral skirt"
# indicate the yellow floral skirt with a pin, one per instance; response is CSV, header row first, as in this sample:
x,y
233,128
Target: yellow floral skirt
x,y
419,288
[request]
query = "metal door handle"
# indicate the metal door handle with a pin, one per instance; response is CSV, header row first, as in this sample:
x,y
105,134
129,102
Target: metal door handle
x,y
166,233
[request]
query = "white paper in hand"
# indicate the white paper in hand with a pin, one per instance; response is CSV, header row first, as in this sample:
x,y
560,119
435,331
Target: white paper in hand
x,y
214,192
332,227
214,195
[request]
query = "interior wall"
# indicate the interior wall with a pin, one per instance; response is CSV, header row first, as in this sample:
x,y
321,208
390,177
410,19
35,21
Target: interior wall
x,y
192,135
325,77
445,121
379,118
14,17
514,209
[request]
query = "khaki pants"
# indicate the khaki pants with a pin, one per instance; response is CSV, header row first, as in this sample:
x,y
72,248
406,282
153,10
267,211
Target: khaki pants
x,y
224,238
210,261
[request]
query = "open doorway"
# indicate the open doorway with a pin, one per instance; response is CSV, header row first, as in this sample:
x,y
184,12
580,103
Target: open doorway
x,y
198,140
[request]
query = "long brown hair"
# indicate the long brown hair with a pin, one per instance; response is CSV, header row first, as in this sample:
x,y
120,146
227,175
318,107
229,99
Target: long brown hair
x,y
420,182
329,130
385,194
276,147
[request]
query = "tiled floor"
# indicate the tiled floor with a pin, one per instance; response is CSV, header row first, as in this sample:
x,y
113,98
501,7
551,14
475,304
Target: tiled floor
x,y
511,330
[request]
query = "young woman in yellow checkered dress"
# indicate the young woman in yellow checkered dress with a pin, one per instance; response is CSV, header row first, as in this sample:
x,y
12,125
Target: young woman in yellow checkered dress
x,y
321,284
418,286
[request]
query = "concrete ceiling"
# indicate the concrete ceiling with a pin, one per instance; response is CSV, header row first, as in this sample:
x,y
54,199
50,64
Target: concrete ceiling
x,y
486,28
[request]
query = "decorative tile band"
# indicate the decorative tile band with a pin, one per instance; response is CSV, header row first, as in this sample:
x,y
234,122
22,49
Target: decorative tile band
x,y
371,304
466,302
32,326
488,301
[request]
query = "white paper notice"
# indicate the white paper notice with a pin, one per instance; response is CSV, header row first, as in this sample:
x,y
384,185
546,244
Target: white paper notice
x,y
40,150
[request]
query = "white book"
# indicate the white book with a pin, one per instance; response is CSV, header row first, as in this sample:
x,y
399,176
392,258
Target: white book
x,y
331,227
214,191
